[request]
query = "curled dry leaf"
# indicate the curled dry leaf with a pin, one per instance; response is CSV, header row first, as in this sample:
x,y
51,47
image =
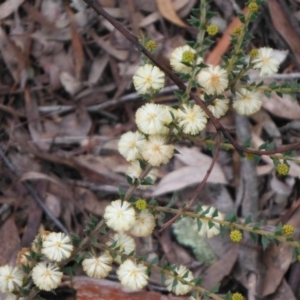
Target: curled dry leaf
x,y
166,8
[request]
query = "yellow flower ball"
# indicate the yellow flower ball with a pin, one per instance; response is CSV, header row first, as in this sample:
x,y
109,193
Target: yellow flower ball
x,y
188,56
151,45
253,53
141,204
283,169
288,230
237,30
249,156
237,296
236,236
212,29
253,7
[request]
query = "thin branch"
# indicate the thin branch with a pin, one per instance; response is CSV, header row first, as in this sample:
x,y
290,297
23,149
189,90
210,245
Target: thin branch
x,y
34,194
199,188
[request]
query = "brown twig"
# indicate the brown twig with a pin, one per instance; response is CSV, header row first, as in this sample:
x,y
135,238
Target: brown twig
x,y
177,80
199,188
34,194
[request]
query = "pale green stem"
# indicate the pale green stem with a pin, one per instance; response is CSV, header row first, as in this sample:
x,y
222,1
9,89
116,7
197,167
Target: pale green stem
x,y
226,223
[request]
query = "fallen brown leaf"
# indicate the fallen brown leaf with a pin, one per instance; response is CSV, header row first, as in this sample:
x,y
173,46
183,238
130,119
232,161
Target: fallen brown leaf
x,y
167,10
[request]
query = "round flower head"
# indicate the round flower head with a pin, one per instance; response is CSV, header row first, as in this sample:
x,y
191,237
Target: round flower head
x,y
176,59
247,102
98,267
144,224
57,246
10,278
156,152
132,275
219,107
180,288
152,118
135,170
123,243
266,62
130,145
46,276
192,119
205,229
148,79
213,80
119,215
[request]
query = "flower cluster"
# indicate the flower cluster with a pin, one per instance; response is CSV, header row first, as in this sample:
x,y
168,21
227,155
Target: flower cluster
x,y
121,216
39,262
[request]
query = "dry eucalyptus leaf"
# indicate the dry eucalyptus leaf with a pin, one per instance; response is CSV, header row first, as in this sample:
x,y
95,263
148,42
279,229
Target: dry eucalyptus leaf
x,y
8,7
167,10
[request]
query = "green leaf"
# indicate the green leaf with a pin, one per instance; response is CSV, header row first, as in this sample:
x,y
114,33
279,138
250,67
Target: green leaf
x,y
199,224
129,179
242,18
147,181
172,202
153,202
215,289
215,214
265,242
247,142
154,261
231,217
248,220
143,164
258,225
121,193
253,236
228,296
197,281
278,229
267,94
176,151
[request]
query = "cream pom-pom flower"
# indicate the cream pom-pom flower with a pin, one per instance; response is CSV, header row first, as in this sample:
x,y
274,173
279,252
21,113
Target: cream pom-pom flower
x,y
130,145
148,79
135,170
144,224
10,278
132,275
57,246
98,267
46,276
123,242
266,62
152,118
119,215
192,119
247,102
176,59
205,230
213,79
180,288
219,107
156,151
